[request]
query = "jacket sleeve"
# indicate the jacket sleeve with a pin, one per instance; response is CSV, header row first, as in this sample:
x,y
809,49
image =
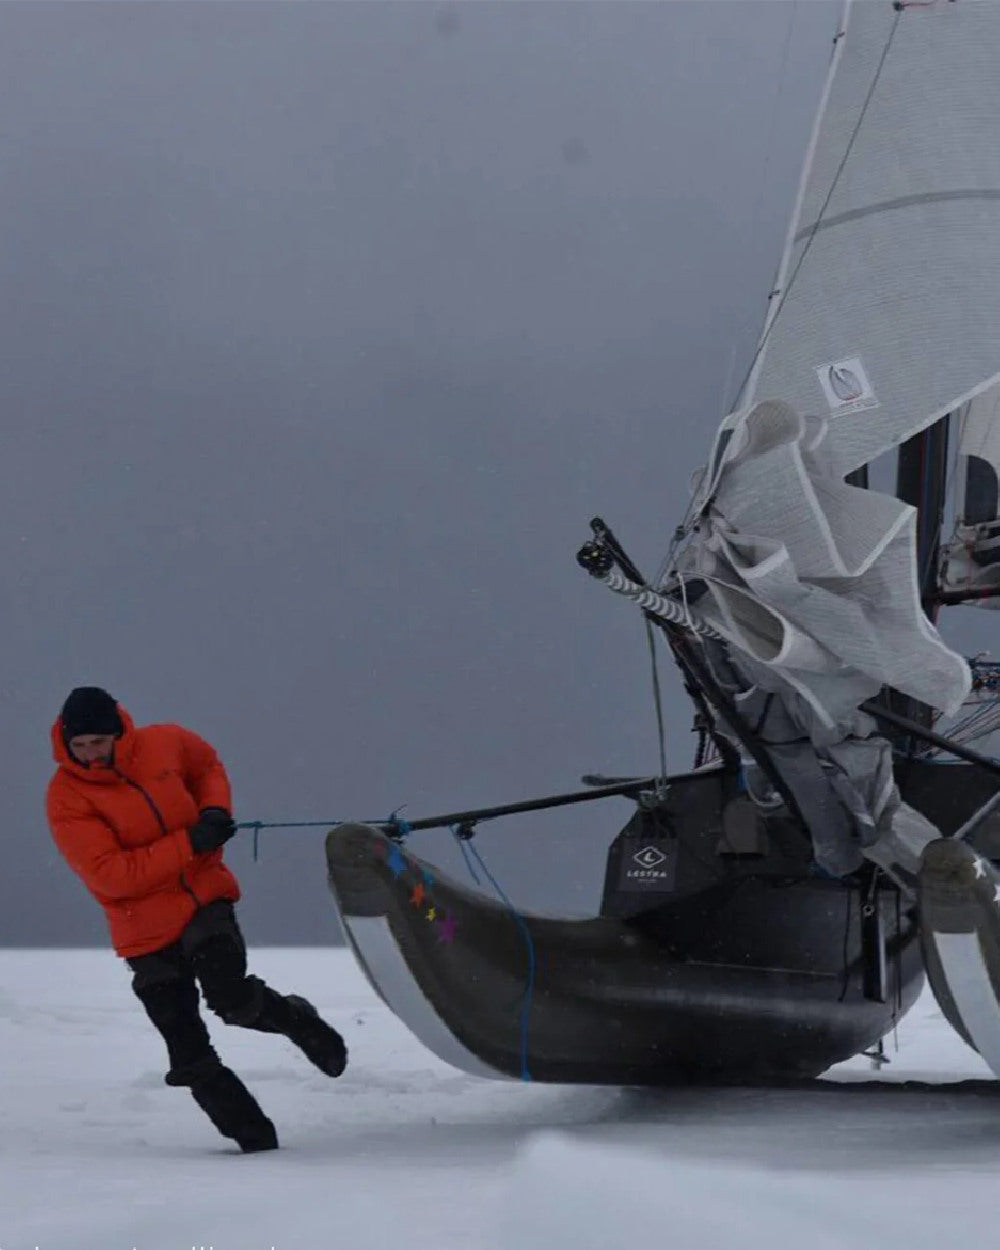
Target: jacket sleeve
x,y
204,773
89,846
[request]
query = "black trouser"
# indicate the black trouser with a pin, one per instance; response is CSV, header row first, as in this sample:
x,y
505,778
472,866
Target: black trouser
x,y
211,953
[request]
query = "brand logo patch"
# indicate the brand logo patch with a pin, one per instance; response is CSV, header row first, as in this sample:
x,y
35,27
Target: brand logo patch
x,y
846,386
649,857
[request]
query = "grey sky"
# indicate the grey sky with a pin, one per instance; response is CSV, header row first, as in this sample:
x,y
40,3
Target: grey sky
x,y
325,329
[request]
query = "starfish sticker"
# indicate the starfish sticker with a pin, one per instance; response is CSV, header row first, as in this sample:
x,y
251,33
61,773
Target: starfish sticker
x,y
980,868
396,862
446,929
418,895
432,912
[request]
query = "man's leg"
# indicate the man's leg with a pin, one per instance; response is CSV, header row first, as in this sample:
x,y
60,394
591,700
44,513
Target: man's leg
x,y
217,952
231,1107
167,990
165,986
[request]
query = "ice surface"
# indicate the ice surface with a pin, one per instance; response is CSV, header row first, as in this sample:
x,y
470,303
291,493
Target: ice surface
x,y
96,1153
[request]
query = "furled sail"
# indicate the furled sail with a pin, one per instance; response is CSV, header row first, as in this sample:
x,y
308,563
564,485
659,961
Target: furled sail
x,y
813,580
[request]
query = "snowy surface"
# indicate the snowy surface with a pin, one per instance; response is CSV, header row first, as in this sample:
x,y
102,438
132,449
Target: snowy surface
x,y
96,1153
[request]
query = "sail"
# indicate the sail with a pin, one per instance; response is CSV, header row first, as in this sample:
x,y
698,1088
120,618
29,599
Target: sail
x,y
972,558
886,314
885,318
810,580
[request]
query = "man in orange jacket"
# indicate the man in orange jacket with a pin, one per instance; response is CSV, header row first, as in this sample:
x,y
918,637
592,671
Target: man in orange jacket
x,y
141,815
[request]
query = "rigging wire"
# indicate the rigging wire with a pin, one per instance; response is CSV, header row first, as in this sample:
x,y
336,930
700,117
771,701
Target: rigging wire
x,y
658,702
753,218
826,202
773,125
683,529
765,168
469,852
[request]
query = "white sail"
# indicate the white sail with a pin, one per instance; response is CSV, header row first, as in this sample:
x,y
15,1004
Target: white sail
x,y
972,558
887,311
811,581
885,318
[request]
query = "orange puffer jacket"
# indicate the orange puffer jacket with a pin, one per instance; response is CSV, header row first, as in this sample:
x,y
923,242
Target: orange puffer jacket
x,y
123,830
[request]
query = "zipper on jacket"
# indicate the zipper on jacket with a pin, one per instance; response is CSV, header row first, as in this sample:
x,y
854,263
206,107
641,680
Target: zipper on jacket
x,y
129,781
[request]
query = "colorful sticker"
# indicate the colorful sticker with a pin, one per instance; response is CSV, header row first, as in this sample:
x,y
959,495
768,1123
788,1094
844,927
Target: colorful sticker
x,y
419,885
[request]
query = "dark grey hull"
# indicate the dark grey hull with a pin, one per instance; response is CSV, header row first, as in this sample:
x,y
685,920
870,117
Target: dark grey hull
x,y
753,970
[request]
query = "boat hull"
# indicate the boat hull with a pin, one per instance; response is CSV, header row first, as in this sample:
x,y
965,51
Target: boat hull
x,y
747,980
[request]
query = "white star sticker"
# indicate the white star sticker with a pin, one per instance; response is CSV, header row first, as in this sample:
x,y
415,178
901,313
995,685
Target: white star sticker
x,y
980,868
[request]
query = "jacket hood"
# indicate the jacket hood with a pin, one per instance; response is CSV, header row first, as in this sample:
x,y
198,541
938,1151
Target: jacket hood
x,y
124,746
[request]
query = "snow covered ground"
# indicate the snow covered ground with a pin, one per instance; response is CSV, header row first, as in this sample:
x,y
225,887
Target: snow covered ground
x,y
96,1153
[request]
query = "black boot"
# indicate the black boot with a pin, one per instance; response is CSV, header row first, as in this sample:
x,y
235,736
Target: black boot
x,y
228,1104
319,1042
302,1024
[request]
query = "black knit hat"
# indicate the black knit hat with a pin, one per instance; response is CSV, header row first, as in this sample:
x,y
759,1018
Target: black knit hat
x,y
90,710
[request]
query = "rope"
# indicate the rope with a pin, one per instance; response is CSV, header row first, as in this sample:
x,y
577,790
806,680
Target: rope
x,y
400,826
845,961
658,702
463,846
468,850
288,824
469,853
258,825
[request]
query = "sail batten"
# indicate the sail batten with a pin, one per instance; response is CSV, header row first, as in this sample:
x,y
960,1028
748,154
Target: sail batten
x,y
890,206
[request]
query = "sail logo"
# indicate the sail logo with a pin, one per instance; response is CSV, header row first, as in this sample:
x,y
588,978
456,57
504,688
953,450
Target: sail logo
x,y
846,386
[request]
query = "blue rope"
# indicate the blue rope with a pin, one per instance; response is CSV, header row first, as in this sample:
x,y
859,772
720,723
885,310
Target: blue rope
x,y
257,825
468,849
288,824
401,827
463,846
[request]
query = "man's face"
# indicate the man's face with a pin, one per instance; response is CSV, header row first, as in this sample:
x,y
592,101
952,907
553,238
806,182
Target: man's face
x,y
92,748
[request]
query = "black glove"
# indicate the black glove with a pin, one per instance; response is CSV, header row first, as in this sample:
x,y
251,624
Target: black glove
x,y
215,826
